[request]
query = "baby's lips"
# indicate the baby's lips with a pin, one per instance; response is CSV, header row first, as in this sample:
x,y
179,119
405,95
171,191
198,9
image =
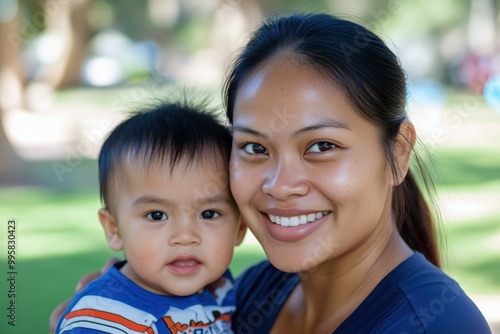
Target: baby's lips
x,y
185,263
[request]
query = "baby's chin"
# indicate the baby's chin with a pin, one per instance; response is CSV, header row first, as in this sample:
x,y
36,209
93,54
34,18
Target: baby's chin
x,y
183,292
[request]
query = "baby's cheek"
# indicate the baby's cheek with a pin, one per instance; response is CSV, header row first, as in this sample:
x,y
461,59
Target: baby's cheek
x,y
225,250
147,251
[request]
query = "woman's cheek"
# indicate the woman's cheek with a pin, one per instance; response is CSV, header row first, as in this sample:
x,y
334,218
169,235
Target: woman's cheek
x,y
238,189
239,176
234,170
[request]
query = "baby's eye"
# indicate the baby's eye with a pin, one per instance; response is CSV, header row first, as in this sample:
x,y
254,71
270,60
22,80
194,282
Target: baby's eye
x,y
209,214
157,216
254,148
321,146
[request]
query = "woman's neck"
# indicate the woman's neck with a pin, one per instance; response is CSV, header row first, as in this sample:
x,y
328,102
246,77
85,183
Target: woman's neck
x,y
333,291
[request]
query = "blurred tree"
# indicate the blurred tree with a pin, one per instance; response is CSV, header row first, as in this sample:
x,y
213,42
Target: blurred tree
x,y
68,21
183,27
19,23
11,88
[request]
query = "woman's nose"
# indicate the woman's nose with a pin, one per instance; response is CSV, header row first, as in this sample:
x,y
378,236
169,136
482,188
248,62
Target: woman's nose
x,y
285,179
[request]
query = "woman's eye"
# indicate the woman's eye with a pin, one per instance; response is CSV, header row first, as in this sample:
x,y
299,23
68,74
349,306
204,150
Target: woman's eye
x,y
322,146
209,214
253,148
157,216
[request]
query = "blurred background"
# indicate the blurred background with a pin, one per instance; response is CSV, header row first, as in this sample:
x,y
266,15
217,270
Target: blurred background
x,y
71,69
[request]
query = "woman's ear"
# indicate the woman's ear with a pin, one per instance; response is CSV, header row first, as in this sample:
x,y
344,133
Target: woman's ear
x,y
110,226
240,234
402,150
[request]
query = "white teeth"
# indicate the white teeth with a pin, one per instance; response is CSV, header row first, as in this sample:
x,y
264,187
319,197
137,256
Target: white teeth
x,y
294,221
297,220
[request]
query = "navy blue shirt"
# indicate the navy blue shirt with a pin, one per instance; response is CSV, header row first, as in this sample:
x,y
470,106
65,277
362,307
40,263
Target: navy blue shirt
x,y
416,297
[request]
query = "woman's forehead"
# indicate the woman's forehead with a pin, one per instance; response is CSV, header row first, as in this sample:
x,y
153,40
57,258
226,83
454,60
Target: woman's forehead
x,y
280,88
281,78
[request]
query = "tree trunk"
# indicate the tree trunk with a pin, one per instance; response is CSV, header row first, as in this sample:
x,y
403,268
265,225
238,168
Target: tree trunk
x,y
69,22
11,166
11,77
11,94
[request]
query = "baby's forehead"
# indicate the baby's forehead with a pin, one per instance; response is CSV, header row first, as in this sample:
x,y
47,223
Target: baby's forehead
x,y
137,166
207,180
210,171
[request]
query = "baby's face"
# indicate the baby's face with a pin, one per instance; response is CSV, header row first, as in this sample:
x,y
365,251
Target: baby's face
x,y
177,228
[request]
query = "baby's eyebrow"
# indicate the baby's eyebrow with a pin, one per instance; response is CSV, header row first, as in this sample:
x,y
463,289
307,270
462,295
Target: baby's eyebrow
x,y
147,199
220,198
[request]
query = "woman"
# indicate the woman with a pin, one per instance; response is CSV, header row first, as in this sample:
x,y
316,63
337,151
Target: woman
x,y
320,172
321,148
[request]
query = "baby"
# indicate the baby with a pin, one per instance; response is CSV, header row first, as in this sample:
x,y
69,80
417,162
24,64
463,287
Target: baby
x,y
167,204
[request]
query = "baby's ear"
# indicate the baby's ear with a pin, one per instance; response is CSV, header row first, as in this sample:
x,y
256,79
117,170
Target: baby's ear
x,y
242,230
110,226
402,150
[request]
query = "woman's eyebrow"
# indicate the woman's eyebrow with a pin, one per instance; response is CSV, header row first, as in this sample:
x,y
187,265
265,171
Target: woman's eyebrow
x,y
239,128
321,125
330,123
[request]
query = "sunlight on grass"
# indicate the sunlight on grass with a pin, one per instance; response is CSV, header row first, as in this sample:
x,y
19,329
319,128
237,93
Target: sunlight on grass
x,y
59,241
472,227
52,223
33,247
60,238
460,207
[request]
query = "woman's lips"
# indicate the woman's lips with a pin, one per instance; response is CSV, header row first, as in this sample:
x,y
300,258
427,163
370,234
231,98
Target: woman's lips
x,y
294,228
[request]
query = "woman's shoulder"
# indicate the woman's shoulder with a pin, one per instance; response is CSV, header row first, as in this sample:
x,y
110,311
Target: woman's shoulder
x,y
439,303
417,297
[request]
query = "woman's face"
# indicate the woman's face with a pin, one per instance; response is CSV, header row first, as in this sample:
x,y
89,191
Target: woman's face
x,y
308,173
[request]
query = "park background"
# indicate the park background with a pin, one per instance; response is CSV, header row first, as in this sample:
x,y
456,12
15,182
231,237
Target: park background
x,y
71,69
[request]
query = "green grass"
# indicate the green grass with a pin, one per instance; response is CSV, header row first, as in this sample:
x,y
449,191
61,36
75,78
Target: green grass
x,y
59,238
471,182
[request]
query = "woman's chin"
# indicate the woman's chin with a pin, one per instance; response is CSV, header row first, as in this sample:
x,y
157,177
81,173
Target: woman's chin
x,y
293,264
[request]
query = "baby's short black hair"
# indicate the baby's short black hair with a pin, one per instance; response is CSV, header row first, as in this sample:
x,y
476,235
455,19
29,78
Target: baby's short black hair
x,y
163,133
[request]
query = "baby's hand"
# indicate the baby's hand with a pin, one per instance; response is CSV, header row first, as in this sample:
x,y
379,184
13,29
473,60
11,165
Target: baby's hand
x,y
58,311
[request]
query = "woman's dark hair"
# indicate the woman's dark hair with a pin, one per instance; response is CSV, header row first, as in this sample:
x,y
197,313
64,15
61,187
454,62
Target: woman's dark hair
x,y
371,77
162,133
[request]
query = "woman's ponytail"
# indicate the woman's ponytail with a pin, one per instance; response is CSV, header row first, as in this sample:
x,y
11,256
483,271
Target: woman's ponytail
x,y
414,219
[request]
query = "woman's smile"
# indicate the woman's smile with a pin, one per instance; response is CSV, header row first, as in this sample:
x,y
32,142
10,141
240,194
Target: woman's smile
x,y
294,228
297,220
